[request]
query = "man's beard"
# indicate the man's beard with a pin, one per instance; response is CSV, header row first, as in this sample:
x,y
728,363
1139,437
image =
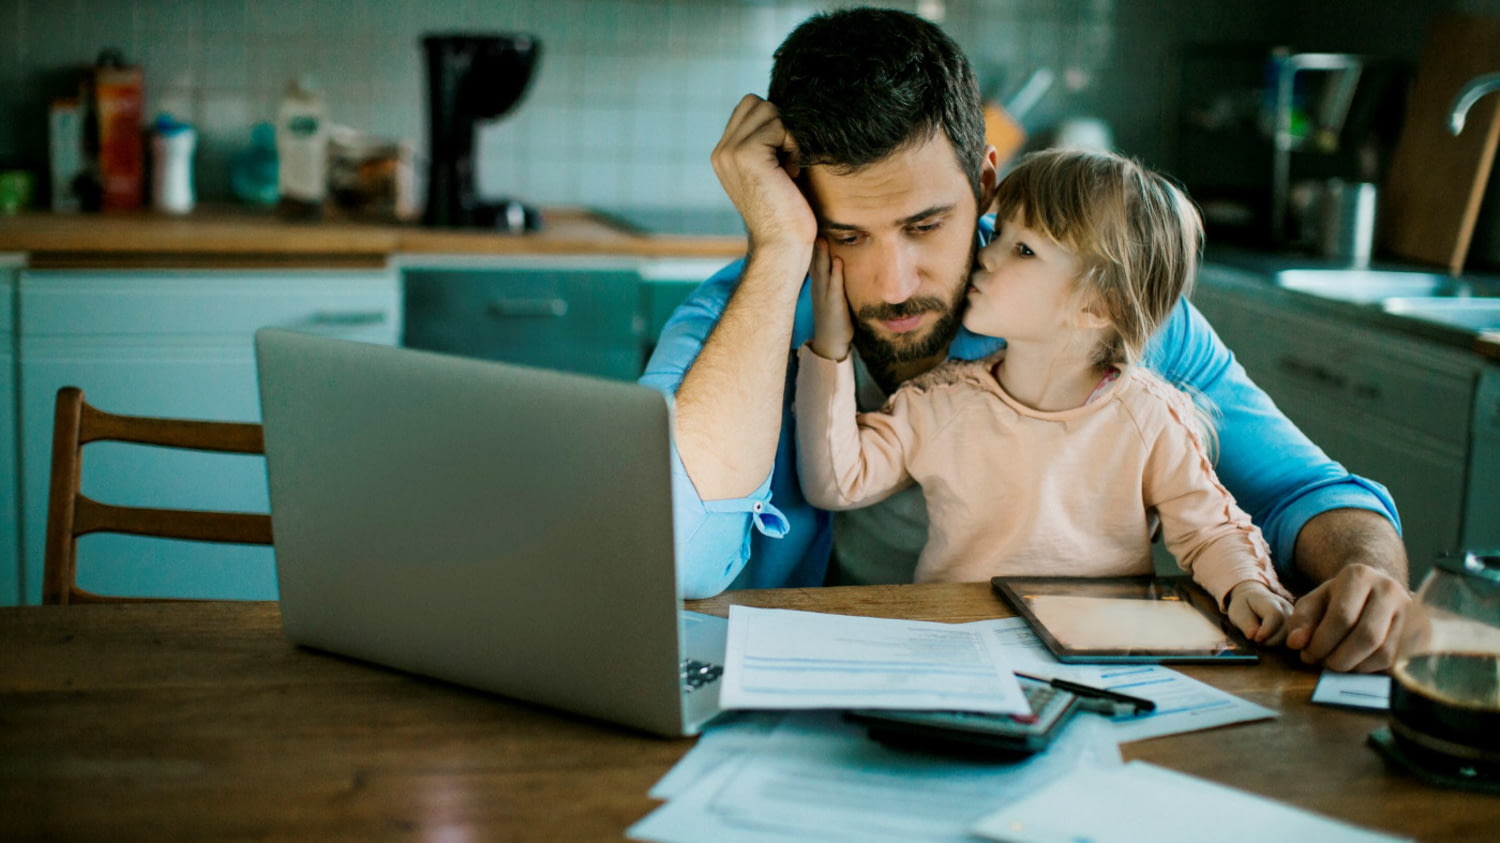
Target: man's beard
x,y
880,354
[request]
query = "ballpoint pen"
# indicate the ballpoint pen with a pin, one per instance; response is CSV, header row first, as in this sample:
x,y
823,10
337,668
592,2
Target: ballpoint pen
x,y
1101,700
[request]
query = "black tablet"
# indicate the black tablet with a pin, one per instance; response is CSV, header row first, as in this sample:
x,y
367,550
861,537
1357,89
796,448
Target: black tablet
x,y
1113,620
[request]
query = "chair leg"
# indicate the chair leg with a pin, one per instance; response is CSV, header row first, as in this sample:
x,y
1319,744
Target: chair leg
x,y
59,573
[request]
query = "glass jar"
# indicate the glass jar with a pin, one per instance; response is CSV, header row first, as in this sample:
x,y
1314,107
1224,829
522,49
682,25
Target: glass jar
x,y
1445,688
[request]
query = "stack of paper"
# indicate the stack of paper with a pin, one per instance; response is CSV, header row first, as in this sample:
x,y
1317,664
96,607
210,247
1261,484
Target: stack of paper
x,y
809,775
815,777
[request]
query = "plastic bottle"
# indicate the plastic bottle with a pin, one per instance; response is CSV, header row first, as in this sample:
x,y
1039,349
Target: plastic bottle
x,y
254,173
172,144
302,147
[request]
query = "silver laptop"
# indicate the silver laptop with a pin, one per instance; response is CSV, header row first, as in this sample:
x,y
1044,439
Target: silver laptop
x,y
497,526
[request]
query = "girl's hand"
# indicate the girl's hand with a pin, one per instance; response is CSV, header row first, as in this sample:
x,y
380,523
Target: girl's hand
x,y
833,327
1259,613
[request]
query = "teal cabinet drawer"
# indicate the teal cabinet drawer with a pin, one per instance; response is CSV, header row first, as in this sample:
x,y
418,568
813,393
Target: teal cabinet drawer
x,y
577,319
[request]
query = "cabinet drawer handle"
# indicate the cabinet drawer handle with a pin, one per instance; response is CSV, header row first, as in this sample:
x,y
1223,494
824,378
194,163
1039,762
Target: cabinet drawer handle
x,y
553,308
1314,372
350,317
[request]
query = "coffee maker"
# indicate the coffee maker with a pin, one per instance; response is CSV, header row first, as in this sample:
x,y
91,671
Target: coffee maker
x,y
472,77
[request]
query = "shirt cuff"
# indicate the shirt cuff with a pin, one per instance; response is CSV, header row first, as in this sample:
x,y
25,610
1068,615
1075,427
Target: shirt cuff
x,y
1349,492
712,538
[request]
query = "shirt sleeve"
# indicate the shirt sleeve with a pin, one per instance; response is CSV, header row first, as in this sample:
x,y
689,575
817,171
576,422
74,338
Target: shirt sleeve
x,y
712,538
1211,537
846,459
1272,469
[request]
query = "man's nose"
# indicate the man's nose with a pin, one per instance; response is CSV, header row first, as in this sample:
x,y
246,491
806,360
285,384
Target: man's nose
x,y
895,273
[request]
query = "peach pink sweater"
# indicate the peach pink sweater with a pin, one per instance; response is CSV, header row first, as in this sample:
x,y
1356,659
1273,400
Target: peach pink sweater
x,y
1016,491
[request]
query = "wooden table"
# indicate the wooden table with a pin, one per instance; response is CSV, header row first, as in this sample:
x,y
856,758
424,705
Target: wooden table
x,y
200,720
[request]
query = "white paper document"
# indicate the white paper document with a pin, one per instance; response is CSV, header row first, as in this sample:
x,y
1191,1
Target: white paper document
x,y
819,778
1142,803
1183,704
783,659
1354,690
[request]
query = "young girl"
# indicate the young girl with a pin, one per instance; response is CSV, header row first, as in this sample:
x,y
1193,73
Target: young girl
x,y
1055,455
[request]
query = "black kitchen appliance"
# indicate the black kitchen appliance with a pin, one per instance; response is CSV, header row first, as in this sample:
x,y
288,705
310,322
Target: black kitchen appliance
x,y
472,77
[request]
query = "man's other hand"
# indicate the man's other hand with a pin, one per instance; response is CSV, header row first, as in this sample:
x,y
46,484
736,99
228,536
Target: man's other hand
x,y
1350,623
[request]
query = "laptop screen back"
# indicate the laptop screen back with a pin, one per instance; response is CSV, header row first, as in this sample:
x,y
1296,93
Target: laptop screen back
x,y
497,526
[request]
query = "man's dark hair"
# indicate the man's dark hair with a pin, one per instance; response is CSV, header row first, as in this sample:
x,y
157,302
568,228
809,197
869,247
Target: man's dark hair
x,y
855,85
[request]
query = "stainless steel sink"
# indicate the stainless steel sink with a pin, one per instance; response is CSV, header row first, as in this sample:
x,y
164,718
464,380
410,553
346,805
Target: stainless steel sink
x,y
1472,314
1368,286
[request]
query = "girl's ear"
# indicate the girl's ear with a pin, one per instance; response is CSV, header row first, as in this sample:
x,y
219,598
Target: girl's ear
x,y
1092,317
1090,312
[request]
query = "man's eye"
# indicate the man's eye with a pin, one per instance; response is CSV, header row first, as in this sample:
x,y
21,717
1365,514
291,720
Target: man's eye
x,y
843,239
927,227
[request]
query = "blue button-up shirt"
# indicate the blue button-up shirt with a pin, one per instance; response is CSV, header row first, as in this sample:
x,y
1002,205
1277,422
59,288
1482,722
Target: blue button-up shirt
x,y
774,538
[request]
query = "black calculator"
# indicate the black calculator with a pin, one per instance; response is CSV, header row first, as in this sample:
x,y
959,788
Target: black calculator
x,y
975,733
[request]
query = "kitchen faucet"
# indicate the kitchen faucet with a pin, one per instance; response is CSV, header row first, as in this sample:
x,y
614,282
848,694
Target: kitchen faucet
x,y
1467,96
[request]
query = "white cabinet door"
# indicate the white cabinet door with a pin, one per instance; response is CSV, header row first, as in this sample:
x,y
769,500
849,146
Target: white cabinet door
x,y
169,344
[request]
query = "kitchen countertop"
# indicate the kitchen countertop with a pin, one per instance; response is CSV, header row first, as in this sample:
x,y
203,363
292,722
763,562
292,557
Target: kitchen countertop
x,y
1255,271
230,236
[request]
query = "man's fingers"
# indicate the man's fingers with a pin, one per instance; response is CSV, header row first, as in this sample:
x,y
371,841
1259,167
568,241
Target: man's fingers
x,y
1371,645
1305,617
746,119
1340,616
1351,622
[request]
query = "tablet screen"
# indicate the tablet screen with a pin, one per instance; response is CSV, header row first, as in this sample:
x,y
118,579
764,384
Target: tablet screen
x,y
1125,619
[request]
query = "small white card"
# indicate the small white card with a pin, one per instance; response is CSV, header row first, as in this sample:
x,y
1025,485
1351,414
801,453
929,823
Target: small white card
x,y
1354,690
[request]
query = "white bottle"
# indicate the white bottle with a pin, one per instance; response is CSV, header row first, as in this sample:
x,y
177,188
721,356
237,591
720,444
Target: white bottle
x,y
172,145
302,147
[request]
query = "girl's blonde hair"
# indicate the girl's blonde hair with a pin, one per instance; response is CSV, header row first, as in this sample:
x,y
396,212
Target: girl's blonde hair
x,y
1137,235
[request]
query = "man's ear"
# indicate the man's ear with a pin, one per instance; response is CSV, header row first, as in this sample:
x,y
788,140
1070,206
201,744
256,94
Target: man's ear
x,y
989,180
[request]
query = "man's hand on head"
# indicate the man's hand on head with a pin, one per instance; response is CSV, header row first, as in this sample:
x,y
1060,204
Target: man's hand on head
x,y
756,161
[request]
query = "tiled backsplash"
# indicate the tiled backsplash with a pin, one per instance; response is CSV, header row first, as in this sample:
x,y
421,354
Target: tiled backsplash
x,y
629,97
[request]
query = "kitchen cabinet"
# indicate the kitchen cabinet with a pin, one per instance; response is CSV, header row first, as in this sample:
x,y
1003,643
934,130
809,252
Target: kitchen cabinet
x,y
577,314
169,343
1389,406
591,315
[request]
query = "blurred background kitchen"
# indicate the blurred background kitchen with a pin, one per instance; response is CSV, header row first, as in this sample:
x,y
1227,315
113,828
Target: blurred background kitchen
x,y
1297,125
630,95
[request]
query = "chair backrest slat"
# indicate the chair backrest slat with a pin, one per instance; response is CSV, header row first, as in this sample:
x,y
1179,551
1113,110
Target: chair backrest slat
x,y
91,516
71,514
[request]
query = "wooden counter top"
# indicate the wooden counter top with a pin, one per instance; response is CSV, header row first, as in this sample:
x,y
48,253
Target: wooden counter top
x,y
230,236
1487,344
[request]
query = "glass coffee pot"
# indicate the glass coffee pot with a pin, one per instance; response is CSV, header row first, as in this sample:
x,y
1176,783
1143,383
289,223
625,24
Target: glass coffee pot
x,y
1445,685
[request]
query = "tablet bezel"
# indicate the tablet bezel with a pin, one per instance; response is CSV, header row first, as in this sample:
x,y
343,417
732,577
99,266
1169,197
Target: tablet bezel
x,y
1013,591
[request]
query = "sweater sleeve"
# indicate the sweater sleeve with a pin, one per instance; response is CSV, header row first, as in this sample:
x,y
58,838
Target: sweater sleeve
x,y
846,459
1211,537
1276,472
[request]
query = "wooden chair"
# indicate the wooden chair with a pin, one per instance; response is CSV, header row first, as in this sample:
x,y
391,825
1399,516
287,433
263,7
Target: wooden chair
x,y
71,514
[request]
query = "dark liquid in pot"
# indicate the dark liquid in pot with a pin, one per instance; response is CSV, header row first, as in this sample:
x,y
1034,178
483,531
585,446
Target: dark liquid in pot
x,y
1453,697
